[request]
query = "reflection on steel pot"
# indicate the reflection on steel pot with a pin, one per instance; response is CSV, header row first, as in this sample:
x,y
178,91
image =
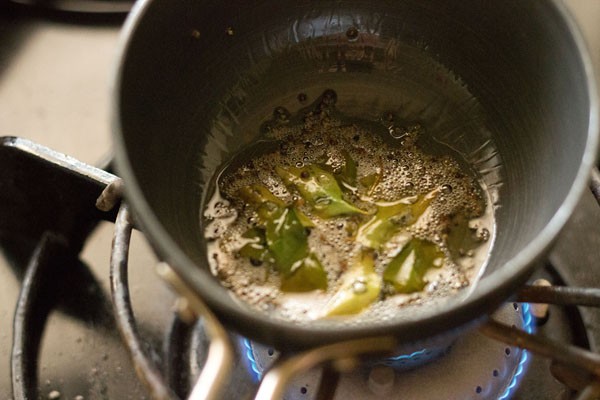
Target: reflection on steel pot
x,y
507,84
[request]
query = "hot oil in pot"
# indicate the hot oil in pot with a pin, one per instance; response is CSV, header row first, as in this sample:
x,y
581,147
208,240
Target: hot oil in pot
x,y
331,217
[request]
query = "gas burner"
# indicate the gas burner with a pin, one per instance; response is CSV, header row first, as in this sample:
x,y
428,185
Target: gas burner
x,y
472,367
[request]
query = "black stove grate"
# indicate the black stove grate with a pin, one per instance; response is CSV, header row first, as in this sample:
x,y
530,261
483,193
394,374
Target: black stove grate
x,y
55,240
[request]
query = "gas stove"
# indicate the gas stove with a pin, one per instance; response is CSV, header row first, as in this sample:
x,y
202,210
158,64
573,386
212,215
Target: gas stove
x,y
54,78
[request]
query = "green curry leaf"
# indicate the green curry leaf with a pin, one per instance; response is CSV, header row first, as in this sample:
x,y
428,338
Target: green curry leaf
x,y
348,173
309,275
319,189
391,217
255,247
282,240
257,194
360,287
406,271
287,240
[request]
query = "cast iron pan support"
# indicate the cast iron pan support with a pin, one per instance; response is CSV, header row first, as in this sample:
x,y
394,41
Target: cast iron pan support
x,y
119,288
220,357
59,241
33,306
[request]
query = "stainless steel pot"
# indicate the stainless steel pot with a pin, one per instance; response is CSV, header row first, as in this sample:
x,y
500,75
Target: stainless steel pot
x,y
197,78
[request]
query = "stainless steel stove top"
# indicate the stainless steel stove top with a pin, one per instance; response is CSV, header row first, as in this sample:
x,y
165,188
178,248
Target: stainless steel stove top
x,y
54,89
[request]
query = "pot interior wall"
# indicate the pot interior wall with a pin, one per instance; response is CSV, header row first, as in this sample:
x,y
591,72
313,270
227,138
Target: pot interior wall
x,y
502,82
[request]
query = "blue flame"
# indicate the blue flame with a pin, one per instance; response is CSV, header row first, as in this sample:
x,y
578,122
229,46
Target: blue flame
x,y
528,326
407,356
255,370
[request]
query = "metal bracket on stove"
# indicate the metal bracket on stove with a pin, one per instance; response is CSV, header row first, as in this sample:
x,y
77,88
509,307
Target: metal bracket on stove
x,y
220,357
574,358
571,363
217,369
37,182
342,356
144,367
